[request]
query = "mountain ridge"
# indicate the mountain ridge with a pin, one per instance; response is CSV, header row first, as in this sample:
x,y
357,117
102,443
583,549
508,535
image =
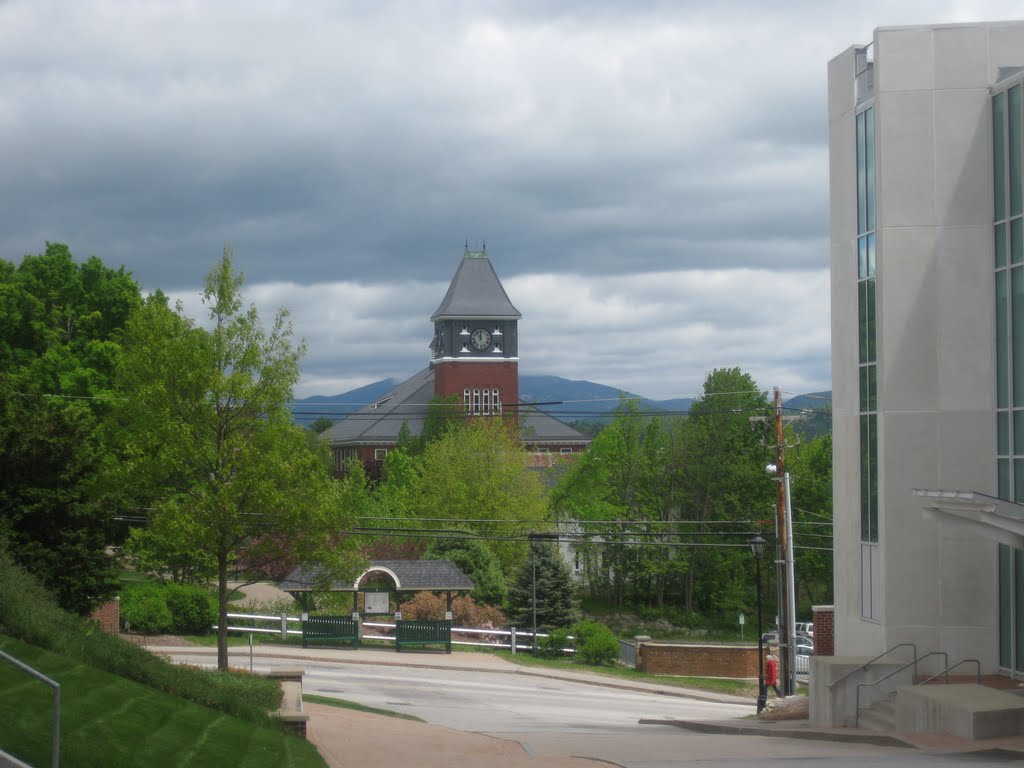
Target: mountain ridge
x,y
567,399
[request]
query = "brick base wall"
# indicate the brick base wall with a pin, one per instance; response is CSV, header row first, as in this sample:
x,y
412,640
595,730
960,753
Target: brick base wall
x,y
698,660
108,616
824,630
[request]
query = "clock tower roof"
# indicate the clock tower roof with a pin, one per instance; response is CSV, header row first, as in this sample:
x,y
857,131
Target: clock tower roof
x,y
475,292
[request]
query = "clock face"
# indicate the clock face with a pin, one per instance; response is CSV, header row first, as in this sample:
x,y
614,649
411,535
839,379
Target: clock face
x,y
480,339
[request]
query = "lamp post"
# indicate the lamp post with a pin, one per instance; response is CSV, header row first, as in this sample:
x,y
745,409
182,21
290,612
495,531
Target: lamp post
x,y
757,547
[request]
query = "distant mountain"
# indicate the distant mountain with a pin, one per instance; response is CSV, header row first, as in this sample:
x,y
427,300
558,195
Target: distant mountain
x,y
333,407
570,400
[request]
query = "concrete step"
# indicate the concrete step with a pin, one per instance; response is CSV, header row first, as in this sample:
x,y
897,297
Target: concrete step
x,y
880,716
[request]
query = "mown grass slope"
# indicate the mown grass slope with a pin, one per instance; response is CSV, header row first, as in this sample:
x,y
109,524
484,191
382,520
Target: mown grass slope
x,y
121,705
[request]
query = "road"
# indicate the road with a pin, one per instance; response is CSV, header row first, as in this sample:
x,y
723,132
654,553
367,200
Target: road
x,y
556,719
489,702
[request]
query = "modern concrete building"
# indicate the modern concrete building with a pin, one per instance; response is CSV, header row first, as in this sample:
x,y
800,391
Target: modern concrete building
x,y
927,259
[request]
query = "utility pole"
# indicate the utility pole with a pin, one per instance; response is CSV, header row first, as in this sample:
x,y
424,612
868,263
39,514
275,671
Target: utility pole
x,y
784,546
784,539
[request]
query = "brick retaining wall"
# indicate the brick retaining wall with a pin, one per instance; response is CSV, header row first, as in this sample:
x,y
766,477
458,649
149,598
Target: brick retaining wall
x,y
108,616
698,660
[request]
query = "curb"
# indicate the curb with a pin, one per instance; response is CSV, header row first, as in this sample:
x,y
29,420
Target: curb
x,y
875,739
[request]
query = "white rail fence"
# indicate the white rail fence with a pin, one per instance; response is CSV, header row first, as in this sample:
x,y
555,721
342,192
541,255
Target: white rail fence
x,y
510,639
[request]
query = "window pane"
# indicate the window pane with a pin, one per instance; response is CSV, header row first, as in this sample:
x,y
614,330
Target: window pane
x,y
864,388
869,171
1002,337
861,177
873,474
1013,150
1016,241
871,320
865,486
1004,479
999,155
1005,614
862,258
1000,245
1018,590
1018,433
871,255
1018,480
862,320
1003,433
1017,334
872,387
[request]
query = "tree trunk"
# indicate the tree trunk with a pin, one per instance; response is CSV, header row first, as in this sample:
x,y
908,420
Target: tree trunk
x,y
222,610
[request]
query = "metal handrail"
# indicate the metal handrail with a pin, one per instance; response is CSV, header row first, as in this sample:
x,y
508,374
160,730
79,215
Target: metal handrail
x,y
947,670
55,737
867,664
913,663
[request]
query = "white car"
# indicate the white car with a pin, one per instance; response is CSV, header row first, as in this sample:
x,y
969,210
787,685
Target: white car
x,y
805,628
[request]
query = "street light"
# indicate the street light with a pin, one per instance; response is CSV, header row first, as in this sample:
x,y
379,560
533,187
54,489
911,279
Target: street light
x,y
757,547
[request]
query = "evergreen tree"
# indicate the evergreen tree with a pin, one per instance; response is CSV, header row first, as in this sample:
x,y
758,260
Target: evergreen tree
x,y
556,594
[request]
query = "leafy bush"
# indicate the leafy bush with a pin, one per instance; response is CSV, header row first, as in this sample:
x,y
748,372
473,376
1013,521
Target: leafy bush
x,y
595,643
144,610
193,609
151,609
30,614
553,646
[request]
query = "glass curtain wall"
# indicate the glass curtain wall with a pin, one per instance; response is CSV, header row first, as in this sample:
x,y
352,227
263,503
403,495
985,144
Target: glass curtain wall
x,y
868,366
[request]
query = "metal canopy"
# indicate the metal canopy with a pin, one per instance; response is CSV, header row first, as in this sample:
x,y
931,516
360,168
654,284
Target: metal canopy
x,y
406,575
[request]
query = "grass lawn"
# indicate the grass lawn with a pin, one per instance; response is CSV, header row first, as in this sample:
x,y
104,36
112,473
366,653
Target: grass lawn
x,y
341,703
107,720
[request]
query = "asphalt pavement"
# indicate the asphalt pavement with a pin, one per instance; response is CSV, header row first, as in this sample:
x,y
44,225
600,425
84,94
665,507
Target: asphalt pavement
x,y
350,738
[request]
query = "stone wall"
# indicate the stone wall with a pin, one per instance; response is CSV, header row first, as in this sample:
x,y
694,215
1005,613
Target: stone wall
x,y
738,661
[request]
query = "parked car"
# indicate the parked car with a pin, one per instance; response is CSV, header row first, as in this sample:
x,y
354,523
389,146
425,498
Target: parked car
x,y
772,638
805,628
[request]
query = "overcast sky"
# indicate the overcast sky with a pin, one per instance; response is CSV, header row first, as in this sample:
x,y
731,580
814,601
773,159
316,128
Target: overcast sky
x,y
650,178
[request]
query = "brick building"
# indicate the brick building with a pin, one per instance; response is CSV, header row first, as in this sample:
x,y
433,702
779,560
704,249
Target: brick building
x,y
474,356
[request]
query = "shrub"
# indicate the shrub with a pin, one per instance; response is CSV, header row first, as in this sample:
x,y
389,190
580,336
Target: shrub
x,y
553,646
144,610
466,612
193,609
595,643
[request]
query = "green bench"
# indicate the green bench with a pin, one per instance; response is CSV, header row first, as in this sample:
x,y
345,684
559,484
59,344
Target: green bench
x,y
330,629
412,633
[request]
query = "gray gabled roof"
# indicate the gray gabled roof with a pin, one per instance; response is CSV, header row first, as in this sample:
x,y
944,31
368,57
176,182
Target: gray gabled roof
x,y
475,291
409,403
408,576
381,421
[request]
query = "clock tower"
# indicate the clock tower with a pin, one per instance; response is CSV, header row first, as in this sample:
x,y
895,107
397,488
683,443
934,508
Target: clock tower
x,y
475,350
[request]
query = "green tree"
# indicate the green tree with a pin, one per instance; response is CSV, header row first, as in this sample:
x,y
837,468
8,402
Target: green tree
x,y
723,483
810,469
203,430
477,561
320,424
477,478
60,340
623,496
556,596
